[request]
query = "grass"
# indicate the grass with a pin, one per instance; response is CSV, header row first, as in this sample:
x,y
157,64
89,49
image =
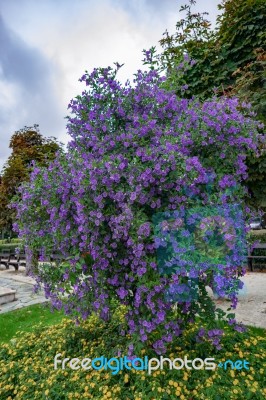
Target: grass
x,y
26,319
256,331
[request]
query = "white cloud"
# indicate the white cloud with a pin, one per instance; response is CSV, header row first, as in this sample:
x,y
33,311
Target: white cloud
x,y
59,39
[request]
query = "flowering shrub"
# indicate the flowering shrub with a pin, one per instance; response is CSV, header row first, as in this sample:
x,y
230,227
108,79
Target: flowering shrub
x,y
135,151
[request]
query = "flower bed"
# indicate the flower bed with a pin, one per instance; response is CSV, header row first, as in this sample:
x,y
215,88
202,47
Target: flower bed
x,y
27,366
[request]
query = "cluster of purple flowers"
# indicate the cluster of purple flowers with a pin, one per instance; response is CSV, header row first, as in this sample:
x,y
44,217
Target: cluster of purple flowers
x,y
212,336
135,150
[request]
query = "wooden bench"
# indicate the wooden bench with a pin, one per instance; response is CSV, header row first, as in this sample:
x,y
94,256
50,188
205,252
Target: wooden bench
x,y
5,258
8,257
14,261
251,256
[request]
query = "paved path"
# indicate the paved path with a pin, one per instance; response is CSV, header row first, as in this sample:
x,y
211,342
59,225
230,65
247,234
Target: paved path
x,y
24,290
251,309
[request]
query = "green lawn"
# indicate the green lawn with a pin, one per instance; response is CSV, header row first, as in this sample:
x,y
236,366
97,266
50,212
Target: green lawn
x,y
25,319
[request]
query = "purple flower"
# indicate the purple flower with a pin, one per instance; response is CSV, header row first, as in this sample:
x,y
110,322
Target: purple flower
x,y
144,229
239,328
122,293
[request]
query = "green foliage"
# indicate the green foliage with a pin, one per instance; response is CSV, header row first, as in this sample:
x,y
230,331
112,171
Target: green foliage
x,y
250,84
240,30
8,246
195,39
6,241
256,181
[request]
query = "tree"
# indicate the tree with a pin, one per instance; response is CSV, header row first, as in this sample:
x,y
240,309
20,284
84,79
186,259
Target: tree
x,y
240,30
28,146
228,61
142,167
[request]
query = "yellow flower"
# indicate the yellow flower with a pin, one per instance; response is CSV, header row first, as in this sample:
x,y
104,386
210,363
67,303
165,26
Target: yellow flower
x,y
126,378
235,381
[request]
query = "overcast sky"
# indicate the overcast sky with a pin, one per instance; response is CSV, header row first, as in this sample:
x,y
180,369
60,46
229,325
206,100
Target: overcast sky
x,y
46,45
